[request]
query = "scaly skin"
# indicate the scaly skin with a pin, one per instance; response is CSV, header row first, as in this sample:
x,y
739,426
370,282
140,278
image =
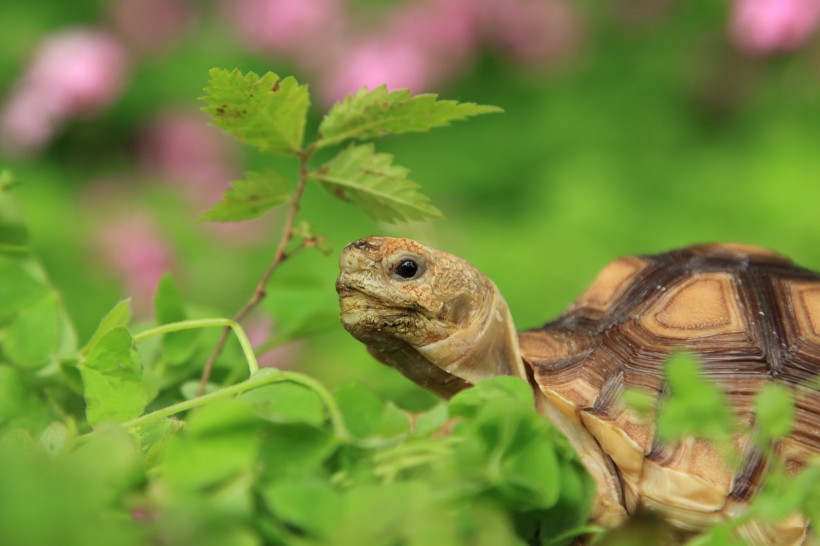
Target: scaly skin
x,y
446,328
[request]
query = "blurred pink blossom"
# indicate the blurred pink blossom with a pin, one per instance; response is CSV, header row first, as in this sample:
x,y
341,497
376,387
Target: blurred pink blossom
x,y
151,26
293,28
135,250
74,73
767,26
375,61
448,31
181,147
536,33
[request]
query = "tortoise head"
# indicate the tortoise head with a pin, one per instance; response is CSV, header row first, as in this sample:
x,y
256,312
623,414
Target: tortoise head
x,y
430,314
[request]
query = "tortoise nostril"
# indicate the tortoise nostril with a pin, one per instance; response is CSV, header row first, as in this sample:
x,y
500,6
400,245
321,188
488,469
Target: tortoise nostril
x,y
361,244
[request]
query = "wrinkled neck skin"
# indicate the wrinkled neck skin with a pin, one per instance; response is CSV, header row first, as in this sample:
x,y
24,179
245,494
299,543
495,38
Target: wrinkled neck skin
x,y
484,348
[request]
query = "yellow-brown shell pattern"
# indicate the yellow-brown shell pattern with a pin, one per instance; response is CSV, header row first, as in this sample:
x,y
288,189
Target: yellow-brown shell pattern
x,y
752,316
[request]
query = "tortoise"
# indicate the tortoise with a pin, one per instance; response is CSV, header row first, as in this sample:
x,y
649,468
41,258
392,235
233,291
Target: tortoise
x,y
751,315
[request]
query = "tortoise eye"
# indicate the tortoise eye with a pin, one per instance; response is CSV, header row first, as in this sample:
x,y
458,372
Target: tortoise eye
x,y
407,269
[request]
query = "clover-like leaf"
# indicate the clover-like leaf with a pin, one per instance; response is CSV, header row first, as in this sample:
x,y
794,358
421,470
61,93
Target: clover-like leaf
x,y
250,197
112,379
369,114
267,112
696,406
119,316
370,181
775,411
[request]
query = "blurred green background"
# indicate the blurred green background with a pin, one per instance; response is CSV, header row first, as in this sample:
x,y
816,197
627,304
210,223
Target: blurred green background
x,y
630,127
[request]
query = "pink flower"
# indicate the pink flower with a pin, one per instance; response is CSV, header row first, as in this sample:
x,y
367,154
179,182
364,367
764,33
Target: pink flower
x,y
294,28
534,32
181,147
767,26
74,73
152,26
134,249
421,46
183,150
378,61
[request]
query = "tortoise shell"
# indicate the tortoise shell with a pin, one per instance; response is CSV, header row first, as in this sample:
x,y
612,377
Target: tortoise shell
x,y
752,316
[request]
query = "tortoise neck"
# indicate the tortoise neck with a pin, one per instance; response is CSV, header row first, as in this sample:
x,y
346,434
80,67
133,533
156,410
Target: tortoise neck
x,y
484,348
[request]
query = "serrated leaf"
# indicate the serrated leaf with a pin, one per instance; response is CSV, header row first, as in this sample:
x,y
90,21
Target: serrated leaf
x,y
267,112
250,197
112,379
177,347
774,410
376,186
369,114
120,315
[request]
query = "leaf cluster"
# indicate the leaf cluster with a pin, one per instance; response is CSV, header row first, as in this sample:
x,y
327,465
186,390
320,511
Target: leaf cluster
x,y
270,113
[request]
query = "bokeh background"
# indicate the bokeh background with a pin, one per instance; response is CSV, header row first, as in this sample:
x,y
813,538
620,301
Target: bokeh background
x,y
631,126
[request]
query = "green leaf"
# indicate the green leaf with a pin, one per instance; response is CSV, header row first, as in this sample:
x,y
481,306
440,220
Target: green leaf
x,y
120,315
267,112
311,506
18,289
112,379
366,415
55,437
153,439
641,402
293,450
775,411
431,420
784,494
250,197
470,402
371,182
287,403
219,442
369,114
35,334
301,307
177,347
20,407
696,406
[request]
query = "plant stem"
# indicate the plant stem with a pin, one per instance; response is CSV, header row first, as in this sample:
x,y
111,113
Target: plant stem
x,y
280,256
266,377
244,342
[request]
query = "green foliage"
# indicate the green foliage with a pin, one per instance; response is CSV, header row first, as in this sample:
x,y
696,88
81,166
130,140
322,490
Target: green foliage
x,y
103,444
7,180
267,112
376,113
250,197
112,379
376,186
270,113
177,347
775,411
696,406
